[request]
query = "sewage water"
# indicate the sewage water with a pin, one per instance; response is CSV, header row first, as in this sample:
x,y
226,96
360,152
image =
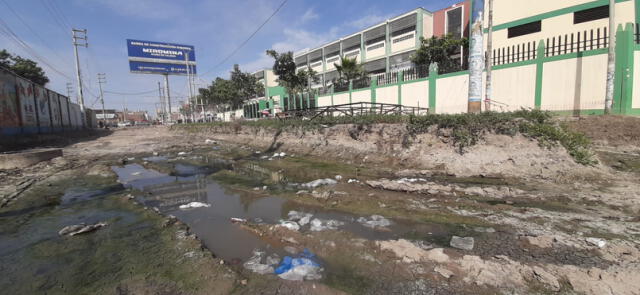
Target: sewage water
x,y
212,224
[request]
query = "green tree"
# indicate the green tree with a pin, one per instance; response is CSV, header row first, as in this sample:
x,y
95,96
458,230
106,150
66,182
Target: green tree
x,y
285,68
24,67
232,92
439,50
349,69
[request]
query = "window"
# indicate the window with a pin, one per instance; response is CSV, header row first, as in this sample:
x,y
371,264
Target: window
x,y
374,47
591,14
454,22
403,38
525,29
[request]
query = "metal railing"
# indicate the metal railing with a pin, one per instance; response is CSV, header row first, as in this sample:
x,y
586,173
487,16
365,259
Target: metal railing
x,y
352,110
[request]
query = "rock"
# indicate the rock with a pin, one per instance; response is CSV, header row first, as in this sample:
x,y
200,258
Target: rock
x,y
255,264
546,278
484,229
320,225
77,229
462,243
170,220
290,250
443,271
302,192
475,191
290,240
544,241
404,250
600,243
374,221
156,154
437,255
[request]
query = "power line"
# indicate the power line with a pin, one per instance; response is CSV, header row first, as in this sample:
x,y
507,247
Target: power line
x,y
32,30
9,33
135,93
248,39
56,18
57,9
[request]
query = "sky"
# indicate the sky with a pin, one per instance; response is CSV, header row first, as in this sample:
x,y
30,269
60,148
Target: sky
x,y
215,27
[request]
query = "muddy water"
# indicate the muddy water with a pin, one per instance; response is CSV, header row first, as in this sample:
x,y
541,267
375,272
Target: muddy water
x,y
212,224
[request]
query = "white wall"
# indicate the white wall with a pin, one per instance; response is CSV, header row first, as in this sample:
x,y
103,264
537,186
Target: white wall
x,y
416,94
342,98
388,94
361,96
577,83
636,81
514,88
324,101
451,94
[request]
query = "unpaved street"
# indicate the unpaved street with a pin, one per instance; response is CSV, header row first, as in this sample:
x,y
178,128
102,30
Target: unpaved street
x,y
216,211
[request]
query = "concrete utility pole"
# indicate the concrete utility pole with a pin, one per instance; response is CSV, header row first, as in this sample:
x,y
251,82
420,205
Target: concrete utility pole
x,y
489,60
191,106
79,39
611,62
166,84
161,102
102,79
476,57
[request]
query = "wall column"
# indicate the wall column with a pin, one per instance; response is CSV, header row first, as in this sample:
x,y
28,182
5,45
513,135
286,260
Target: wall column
x,y
623,92
400,82
374,85
539,72
433,81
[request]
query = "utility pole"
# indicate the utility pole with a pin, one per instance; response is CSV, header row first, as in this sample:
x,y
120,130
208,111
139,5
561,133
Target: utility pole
x,y
191,106
69,90
489,60
79,39
476,57
102,79
161,102
166,84
611,61
124,109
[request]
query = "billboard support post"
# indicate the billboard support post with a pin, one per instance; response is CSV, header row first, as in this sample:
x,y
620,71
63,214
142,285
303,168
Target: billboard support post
x,y
191,106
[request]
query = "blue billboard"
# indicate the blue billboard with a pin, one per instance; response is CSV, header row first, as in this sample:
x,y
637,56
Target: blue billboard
x,y
160,58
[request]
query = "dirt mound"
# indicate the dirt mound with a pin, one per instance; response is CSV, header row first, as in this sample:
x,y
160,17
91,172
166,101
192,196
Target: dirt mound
x,y
392,145
609,130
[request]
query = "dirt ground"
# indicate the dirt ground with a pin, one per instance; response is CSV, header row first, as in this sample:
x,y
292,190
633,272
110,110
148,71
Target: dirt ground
x,y
540,222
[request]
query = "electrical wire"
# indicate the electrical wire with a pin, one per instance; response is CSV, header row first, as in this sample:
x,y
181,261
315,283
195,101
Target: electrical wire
x,y
12,36
248,39
55,18
57,9
136,93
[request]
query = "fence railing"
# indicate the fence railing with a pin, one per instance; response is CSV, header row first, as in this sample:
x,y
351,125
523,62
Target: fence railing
x,y
559,45
352,110
364,82
387,78
636,33
415,73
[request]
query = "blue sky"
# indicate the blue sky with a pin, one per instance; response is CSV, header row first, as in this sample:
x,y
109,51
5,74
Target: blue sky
x,y
214,27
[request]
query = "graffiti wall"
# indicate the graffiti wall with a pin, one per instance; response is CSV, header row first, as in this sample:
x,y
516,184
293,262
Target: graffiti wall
x,y
42,106
27,106
56,117
64,111
9,116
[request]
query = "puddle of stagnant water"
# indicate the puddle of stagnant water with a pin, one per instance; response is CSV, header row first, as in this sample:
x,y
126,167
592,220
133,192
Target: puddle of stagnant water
x,y
213,225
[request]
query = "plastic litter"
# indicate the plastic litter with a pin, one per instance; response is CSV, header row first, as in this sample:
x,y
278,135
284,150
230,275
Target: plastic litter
x,y
320,225
374,221
209,141
255,264
237,220
353,181
300,268
291,225
194,205
300,217
338,177
319,182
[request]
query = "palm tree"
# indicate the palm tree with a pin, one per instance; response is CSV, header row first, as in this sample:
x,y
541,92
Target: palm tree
x,y
349,69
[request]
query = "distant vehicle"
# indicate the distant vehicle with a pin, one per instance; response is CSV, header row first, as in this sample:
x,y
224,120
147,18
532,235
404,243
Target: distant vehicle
x,y
124,124
143,124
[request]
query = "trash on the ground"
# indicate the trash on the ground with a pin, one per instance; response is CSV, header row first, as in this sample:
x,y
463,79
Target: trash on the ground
x,y
156,154
321,225
338,177
290,249
136,173
131,159
484,229
182,153
255,264
353,181
302,192
303,267
300,217
374,221
194,205
291,225
209,141
319,182
237,220
600,243
462,243
82,228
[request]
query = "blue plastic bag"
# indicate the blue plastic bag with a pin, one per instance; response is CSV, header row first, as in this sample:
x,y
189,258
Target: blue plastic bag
x,y
288,263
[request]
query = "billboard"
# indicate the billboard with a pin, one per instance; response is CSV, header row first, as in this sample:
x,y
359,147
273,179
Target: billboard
x,y
160,58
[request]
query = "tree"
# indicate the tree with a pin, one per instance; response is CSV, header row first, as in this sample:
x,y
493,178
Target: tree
x,y
292,80
232,92
439,50
24,67
349,69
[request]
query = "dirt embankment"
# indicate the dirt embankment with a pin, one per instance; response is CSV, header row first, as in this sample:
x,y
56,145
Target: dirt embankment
x,y
391,144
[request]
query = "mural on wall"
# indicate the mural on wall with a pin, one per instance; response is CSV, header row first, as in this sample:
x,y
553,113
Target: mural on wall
x,y
8,102
64,110
42,105
56,118
27,103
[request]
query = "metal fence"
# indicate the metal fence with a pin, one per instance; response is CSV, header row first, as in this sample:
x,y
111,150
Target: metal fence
x,y
353,110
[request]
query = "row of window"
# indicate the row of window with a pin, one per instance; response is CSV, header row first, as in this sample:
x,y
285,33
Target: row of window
x,y
579,17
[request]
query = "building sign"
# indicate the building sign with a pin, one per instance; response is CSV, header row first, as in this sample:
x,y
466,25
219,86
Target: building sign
x,y
160,58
